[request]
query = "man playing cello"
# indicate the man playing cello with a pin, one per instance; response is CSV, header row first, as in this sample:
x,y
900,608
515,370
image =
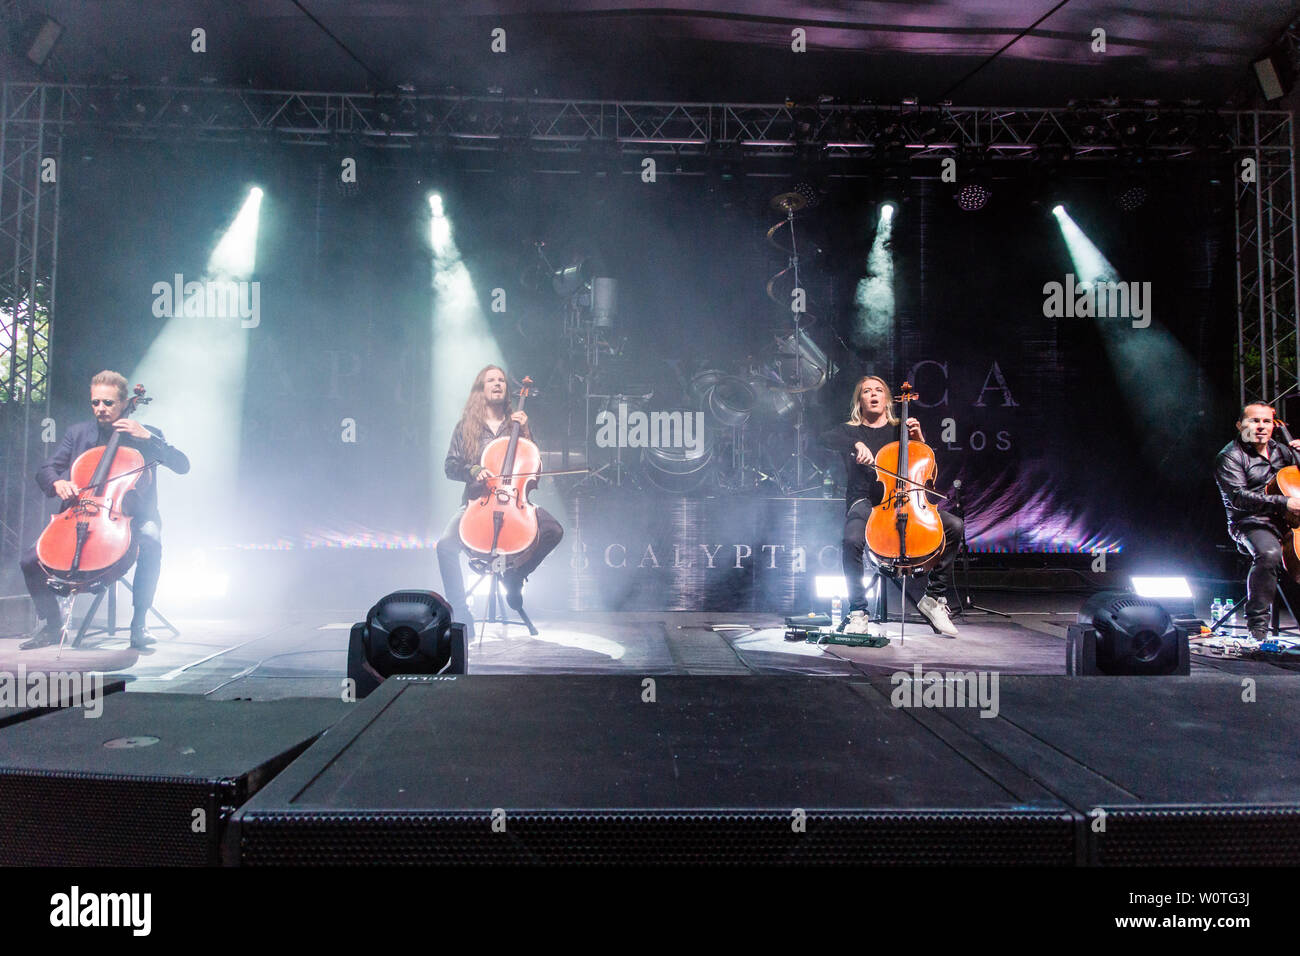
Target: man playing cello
x,y
872,424
108,395
1242,471
487,415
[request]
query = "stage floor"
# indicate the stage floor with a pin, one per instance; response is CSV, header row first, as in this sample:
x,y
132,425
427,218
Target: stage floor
x,y
304,653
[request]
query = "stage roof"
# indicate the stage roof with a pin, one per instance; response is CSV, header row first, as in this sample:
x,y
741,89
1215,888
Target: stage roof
x,y
675,50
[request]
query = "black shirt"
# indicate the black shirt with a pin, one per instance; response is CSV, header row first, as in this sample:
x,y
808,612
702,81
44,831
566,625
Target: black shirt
x,y
862,481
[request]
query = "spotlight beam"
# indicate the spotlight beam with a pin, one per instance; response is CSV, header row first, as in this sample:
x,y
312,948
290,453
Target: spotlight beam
x,y
875,292
461,343
1155,373
196,366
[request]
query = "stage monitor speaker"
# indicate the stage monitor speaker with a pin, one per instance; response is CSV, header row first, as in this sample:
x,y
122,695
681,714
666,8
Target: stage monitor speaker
x,y
1166,773
616,769
151,781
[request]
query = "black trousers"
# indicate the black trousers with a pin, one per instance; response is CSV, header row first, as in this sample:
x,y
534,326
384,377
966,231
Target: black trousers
x,y
855,544
549,535
1264,545
144,585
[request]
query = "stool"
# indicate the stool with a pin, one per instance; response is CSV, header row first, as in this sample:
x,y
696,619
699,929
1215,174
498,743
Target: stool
x,y
485,571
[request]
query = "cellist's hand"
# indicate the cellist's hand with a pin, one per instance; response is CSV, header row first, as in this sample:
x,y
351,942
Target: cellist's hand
x,y
864,455
1293,505
65,490
521,417
914,430
1295,443
132,428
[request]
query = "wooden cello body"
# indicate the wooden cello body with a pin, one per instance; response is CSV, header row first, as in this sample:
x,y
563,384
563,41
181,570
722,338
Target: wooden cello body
x,y
502,522
89,542
904,532
1287,482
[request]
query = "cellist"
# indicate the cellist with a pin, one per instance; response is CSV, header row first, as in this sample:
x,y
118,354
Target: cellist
x,y
873,424
1242,471
487,415
108,398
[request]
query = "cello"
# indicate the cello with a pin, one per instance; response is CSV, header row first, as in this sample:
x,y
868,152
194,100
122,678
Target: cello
x,y
501,525
89,543
904,532
1287,482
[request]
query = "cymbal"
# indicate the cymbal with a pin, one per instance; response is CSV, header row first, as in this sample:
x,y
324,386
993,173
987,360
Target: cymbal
x,y
789,202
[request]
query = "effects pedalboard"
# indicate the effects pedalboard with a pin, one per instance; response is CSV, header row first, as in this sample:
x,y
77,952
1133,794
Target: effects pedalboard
x,y
817,629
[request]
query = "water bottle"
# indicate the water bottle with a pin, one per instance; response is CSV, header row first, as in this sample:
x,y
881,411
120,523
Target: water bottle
x,y
837,609
828,486
1227,606
1216,609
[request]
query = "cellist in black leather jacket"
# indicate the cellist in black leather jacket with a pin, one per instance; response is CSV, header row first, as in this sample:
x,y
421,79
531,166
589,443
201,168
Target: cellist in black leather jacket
x,y
1257,519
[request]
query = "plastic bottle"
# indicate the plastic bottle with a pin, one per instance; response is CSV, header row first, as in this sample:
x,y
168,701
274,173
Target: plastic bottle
x,y
1216,609
828,486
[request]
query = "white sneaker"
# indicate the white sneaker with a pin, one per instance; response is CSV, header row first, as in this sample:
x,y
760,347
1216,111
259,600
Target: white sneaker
x,y
936,611
858,623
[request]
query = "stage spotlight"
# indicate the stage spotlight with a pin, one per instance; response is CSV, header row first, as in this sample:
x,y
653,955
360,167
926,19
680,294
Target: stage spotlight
x,y
972,197
406,632
887,210
830,586
1120,633
1090,266
1131,198
235,256
1173,593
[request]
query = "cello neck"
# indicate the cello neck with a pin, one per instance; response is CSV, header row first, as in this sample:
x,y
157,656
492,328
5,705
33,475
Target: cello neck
x,y
509,465
114,442
903,440
105,463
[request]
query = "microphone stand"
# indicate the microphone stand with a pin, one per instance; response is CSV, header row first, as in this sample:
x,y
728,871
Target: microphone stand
x,y
964,602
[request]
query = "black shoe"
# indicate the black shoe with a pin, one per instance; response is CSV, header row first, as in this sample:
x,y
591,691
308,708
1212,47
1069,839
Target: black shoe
x,y
140,637
1259,634
514,590
47,635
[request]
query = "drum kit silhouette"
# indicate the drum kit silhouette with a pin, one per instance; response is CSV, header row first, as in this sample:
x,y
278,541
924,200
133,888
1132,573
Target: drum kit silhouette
x,y
755,437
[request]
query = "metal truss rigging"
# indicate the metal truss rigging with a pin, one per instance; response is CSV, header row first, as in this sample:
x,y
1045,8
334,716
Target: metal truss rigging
x,y
37,118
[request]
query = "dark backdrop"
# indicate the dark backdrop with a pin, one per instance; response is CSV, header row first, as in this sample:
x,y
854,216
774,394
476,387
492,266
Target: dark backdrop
x,y
1102,437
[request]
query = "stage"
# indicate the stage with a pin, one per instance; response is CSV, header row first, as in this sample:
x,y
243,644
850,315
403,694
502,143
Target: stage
x,y
303,653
